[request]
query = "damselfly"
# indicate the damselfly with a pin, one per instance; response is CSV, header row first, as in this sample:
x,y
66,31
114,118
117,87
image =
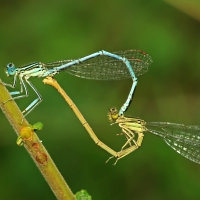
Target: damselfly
x,y
185,140
101,65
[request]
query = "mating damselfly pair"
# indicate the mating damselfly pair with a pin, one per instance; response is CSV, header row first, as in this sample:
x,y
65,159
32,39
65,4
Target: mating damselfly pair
x,y
101,65
112,66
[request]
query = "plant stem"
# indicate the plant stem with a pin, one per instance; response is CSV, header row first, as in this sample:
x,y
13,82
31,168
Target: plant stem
x,y
35,148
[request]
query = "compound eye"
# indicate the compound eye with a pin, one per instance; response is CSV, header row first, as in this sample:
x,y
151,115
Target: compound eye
x,y
11,70
113,111
10,65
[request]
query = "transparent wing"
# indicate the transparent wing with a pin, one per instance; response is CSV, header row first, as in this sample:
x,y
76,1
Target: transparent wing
x,y
108,68
185,140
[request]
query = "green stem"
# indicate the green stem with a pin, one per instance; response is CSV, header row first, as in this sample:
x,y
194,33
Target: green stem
x,y
35,148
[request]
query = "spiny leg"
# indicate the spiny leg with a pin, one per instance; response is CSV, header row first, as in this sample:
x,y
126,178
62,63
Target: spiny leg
x,y
35,103
129,134
13,86
125,131
129,150
23,85
129,139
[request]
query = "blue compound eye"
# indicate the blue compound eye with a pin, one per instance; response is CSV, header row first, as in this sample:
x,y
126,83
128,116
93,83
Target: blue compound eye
x,y
10,69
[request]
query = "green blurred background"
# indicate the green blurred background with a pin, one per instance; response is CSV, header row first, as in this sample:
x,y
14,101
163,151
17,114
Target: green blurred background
x,y
54,30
